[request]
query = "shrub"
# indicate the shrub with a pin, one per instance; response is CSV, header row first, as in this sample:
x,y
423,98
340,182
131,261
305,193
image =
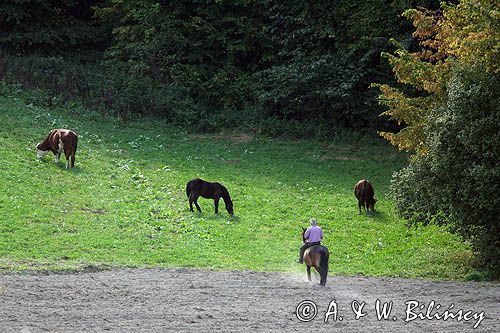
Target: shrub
x,y
457,183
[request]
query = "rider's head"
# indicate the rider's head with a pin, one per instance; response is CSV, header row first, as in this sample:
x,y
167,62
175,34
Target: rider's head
x,y
313,221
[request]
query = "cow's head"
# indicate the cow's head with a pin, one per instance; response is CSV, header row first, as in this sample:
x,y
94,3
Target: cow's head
x,y
41,153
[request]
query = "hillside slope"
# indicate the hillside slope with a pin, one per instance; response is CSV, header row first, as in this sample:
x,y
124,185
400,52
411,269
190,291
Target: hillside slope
x,y
124,203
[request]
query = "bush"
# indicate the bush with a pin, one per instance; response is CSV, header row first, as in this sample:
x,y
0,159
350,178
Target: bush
x,y
457,183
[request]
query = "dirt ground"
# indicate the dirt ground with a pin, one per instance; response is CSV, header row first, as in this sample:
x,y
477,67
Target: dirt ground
x,y
188,300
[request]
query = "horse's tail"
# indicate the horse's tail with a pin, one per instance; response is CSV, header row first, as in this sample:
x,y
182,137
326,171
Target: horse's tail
x,y
188,189
323,266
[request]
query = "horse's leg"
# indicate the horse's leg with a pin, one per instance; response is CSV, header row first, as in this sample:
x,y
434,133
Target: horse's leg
x,y
359,206
195,200
309,273
216,204
191,203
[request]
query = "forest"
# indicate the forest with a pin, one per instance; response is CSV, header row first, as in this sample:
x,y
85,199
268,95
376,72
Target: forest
x,y
280,68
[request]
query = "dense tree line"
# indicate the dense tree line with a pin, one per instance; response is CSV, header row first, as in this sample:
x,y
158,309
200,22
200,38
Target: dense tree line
x,y
279,67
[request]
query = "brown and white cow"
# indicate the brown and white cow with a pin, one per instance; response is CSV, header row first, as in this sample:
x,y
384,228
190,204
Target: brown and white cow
x,y
58,141
364,192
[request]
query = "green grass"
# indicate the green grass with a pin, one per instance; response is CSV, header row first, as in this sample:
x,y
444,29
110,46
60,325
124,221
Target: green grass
x,y
124,204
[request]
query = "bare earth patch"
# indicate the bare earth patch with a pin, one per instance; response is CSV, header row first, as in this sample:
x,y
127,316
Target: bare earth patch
x,y
93,210
187,300
240,138
347,158
232,161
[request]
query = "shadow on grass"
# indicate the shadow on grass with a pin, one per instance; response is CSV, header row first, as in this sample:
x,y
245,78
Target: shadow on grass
x,y
376,215
60,165
222,216
76,169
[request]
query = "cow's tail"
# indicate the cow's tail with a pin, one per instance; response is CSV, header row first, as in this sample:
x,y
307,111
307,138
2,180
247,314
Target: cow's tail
x,y
73,151
323,267
188,189
76,145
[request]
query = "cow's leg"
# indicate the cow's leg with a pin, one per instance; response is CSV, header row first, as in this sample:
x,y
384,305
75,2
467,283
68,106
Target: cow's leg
x,y
216,204
309,273
67,154
60,149
67,160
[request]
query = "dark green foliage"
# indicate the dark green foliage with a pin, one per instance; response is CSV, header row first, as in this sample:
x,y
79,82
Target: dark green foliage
x,y
458,182
205,47
278,67
327,55
293,62
50,26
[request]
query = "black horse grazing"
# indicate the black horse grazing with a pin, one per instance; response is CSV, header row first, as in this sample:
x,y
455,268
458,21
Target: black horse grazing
x,y
316,256
197,187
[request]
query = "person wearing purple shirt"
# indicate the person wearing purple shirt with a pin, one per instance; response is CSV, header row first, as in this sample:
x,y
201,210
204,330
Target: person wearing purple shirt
x,y
313,236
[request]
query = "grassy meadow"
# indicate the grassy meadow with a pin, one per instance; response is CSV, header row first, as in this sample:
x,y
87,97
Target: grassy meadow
x,y
124,203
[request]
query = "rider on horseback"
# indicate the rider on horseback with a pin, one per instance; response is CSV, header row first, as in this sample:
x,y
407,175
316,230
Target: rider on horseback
x,y
314,235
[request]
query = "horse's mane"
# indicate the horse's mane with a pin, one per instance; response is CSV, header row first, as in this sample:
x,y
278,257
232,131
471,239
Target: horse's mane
x,y
225,194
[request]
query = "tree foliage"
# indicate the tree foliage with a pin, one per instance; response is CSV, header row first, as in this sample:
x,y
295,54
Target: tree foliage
x,y
290,61
50,26
467,33
270,65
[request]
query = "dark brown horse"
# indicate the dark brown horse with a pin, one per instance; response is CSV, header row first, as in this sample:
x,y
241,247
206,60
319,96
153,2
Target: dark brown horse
x,y
198,187
363,190
316,256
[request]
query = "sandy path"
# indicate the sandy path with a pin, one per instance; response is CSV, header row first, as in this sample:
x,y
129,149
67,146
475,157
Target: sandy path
x,y
187,300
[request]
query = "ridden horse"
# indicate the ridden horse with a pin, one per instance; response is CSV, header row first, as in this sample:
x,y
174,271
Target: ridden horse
x,y
316,256
198,187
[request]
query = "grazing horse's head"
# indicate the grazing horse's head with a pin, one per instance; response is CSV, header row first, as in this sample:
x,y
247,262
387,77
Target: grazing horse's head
x,y
370,205
227,200
229,207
